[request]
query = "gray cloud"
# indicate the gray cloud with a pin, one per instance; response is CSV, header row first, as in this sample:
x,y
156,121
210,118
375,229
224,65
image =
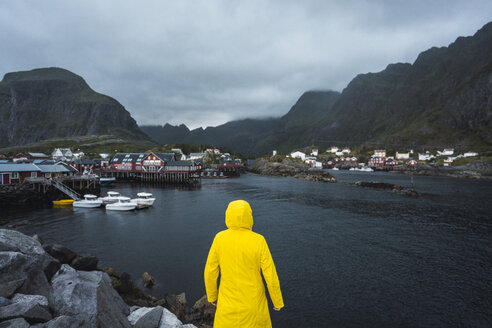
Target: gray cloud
x,y
203,63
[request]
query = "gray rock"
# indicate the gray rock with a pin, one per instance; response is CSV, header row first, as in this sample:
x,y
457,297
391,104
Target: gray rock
x,y
146,317
4,301
169,320
61,253
22,259
15,323
85,263
177,304
202,310
64,322
36,283
33,308
148,280
38,239
88,297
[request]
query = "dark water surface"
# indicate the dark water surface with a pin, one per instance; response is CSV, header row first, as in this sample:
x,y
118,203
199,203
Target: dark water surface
x,y
346,256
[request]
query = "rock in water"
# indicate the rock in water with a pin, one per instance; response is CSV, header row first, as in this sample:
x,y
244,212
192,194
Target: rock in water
x,y
89,298
177,305
85,263
61,253
148,281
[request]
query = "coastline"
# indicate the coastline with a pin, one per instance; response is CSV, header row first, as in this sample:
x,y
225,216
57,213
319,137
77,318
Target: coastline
x,y
53,286
290,168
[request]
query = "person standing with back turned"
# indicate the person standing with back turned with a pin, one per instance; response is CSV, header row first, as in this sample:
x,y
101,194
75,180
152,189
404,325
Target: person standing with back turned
x,y
240,255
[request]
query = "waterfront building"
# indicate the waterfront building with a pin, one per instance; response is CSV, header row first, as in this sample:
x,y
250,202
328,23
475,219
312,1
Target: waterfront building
x,y
377,161
298,154
314,152
16,172
29,157
402,155
411,162
379,153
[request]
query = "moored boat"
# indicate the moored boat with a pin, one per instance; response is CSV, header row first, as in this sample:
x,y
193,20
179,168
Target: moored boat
x,y
63,202
111,197
144,198
89,201
122,204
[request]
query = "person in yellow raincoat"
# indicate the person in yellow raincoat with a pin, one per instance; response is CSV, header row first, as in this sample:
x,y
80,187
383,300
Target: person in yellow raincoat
x,y
239,255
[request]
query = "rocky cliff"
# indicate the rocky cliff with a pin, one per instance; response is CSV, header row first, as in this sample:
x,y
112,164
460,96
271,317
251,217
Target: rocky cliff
x,y
443,99
52,103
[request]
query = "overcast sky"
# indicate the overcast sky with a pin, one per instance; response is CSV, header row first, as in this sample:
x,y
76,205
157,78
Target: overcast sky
x,y
203,63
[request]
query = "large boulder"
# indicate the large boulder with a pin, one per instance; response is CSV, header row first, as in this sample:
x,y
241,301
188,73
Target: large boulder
x,y
156,317
84,262
33,308
15,323
146,317
202,311
61,253
24,265
64,321
177,304
89,298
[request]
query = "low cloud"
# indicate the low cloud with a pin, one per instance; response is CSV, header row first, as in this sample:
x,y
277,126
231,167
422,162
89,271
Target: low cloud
x,y
203,63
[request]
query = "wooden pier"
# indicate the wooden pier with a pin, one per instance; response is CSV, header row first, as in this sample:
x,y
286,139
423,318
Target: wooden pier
x,y
164,176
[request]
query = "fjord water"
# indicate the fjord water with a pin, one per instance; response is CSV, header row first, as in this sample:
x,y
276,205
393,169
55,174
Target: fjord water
x,y
345,256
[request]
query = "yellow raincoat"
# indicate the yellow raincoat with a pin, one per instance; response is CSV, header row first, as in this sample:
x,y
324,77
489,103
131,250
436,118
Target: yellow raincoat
x,y
239,254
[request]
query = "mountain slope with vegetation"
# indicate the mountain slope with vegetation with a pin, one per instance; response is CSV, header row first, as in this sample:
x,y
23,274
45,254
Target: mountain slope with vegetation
x,y
443,99
50,103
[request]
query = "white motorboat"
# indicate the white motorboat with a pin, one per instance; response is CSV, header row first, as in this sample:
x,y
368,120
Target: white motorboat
x,y
144,198
122,204
89,201
111,197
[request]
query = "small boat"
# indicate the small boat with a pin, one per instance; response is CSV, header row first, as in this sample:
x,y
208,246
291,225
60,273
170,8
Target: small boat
x,y
89,201
144,198
111,197
106,181
63,202
122,204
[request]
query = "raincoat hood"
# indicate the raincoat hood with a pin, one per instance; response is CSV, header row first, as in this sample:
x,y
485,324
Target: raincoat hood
x,y
239,215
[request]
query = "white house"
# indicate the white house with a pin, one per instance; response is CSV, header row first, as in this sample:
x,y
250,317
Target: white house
x,y
402,155
346,150
470,154
448,161
314,152
339,153
333,150
62,154
446,152
426,157
104,155
298,154
274,153
379,153
196,156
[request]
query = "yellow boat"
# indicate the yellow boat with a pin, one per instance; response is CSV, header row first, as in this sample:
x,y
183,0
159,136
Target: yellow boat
x,y
63,202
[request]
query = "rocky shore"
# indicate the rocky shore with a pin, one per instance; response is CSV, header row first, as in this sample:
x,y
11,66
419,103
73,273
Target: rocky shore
x,y
50,286
290,168
478,170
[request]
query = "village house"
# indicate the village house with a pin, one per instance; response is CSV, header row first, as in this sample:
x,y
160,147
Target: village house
x,y
180,155
446,152
213,151
104,155
84,165
16,173
379,153
402,155
62,154
274,153
314,152
196,156
298,154
426,157
377,161
448,161
411,162
346,150
333,149
470,154
29,157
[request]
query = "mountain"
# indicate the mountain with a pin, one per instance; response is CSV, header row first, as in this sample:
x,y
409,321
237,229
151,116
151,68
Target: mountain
x,y
51,103
443,99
